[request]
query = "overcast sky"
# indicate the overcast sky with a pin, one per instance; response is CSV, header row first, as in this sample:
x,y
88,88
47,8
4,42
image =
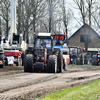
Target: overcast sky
x,y
70,4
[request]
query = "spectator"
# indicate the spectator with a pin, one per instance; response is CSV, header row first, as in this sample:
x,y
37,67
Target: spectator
x,y
22,56
74,58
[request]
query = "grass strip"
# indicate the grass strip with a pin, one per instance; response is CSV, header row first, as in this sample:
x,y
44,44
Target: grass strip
x,y
90,91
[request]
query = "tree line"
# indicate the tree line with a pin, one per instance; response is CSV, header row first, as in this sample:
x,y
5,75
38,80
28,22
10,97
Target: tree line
x,y
55,16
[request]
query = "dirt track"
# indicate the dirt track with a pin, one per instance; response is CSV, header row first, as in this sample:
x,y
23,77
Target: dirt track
x,y
17,85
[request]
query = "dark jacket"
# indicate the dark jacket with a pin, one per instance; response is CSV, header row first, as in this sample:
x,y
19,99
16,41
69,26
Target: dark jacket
x,y
74,56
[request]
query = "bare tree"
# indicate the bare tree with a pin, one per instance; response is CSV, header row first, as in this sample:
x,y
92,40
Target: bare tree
x,y
85,8
19,14
5,10
96,15
0,31
29,14
52,14
38,14
66,17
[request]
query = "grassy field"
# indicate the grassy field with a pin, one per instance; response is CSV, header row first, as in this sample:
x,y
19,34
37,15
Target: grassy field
x,y
90,91
84,66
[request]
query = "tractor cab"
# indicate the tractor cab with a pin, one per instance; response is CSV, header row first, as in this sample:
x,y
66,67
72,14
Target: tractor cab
x,y
42,43
43,40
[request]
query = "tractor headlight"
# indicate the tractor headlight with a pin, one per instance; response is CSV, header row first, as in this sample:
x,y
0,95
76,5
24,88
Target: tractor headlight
x,y
42,57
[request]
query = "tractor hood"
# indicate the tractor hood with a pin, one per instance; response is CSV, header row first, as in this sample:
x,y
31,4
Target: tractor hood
x,y
56,46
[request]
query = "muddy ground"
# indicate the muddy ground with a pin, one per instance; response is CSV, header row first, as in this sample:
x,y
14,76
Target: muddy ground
x,y
15,84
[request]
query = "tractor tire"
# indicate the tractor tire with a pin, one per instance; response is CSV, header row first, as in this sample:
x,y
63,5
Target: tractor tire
x,y
28,65
88,59
56,53
78,61
61,62
52,64
1,56
85,59
94,60
81,59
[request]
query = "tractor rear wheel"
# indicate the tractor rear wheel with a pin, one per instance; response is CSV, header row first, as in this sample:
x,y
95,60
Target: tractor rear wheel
x,y
81,59
78,61
88,59
52,64
60,60
28,66
85,59
94,60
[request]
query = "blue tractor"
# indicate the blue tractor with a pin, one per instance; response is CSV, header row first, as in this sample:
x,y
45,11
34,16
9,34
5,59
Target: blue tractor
x,y
59,41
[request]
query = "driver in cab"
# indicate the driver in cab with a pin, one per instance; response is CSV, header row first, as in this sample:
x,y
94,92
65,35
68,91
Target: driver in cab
x,y
43,44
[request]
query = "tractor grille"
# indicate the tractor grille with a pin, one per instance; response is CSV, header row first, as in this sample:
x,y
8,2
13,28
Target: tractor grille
x,y
40,54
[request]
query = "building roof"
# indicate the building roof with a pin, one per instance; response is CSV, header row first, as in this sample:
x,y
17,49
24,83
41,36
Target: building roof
x,y
93,49
81,28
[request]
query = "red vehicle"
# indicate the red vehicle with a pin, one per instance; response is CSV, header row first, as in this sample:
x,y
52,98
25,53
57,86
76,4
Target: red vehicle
x,y
16,54
12,43
14,50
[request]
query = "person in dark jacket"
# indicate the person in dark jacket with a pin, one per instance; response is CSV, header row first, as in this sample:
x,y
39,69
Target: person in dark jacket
x,y
74,58
22,56
43,44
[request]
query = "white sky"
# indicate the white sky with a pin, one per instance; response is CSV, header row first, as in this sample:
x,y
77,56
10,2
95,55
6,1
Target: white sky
x,y
71,5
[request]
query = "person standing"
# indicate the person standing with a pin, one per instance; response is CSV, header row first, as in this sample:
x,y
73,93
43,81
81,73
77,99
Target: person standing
x,y
22,56
74,58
